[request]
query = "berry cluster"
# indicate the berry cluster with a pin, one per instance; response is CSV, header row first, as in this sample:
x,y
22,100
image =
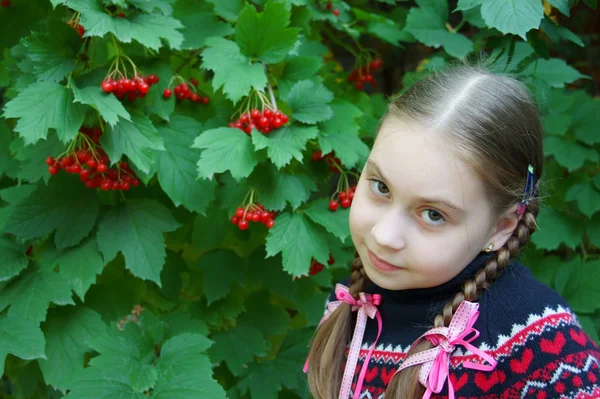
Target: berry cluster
x,y
253,213
335,11
264,122
317,267
345,199
331,159
364,74
183,91
92,165
134,88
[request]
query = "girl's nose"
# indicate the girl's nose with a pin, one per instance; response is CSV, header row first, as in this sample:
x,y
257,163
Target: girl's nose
x,y
389,232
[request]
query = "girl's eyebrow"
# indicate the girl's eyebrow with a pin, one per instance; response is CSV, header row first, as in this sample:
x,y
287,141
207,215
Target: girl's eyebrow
x,y
435,200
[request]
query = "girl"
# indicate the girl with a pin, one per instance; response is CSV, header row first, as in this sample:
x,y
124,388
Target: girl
x,y
446,201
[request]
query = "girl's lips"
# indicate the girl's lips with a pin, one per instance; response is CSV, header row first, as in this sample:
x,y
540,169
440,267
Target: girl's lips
x,y
382,265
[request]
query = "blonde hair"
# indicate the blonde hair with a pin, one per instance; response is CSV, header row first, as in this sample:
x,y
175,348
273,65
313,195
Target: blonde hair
x,y
494,125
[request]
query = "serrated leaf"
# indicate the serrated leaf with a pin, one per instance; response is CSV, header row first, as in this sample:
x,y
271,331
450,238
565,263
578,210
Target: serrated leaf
x,y
308,102
30,295
265,36
43,106
237,346
32,166
556,228
586,196
276,188
513,16
554,71
52,59
337,223
136,138
585,120
298,240
136,229
568,153
66,330
577,281
149,6
20,337
198,24
301,68
388,31
177,166
225,149
147,29
285,143
105,103
467,4
233,71
65,205
221,269
227,9
564,6
12,259
101,384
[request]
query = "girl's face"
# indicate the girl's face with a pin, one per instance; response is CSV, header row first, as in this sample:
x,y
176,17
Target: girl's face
x,y
420,214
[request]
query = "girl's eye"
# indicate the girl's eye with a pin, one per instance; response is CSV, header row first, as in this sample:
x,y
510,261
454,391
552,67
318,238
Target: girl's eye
x,y
379,187
431,216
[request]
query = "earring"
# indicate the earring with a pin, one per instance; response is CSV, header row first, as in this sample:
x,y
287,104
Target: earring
x,y
489,248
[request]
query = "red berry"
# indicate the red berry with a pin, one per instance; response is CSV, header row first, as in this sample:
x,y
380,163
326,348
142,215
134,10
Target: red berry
x,y
345,203
351,195
343,195
204,100
194,82
101,168
90,184
106,185
52,170
125,185
85,173
92,163
284,119
358,85
153,79
277,122
270,223
135,182
336,12
76,168
266,130
265,216
243,224
107,86
82,156
264,121
239,212
195,97
317,156
167,93
268,113
329,5
255,114
50,161
333,205
143,88
256,217
331,260
5,3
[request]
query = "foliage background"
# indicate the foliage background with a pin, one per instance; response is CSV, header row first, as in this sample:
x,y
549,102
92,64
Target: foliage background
x,y
154,292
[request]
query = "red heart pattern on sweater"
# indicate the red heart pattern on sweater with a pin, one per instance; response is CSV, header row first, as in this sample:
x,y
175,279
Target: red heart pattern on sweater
x,y
386,375
371,373
458,383
554,347
486,383
521,366
579,337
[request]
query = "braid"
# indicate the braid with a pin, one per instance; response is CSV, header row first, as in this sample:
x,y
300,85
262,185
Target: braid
x,y
358,278
405,384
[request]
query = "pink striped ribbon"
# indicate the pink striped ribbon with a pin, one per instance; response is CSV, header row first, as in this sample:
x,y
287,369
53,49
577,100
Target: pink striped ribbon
x,y
436,361
366,306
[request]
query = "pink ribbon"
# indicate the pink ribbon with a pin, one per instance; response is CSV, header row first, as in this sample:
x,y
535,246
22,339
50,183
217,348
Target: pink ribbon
x,y
366,306
436,361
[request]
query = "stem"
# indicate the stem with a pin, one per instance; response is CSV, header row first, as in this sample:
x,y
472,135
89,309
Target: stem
x,y
338,42
273,102
193,55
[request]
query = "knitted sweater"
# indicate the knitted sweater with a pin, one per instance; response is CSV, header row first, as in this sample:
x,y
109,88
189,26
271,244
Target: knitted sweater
x,y
541,349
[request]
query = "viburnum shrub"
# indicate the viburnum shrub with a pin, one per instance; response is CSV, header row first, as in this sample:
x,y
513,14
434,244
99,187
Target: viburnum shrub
x,y
183,244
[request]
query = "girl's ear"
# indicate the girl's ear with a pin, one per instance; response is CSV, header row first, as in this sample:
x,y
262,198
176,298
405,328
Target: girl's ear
x,y
505,226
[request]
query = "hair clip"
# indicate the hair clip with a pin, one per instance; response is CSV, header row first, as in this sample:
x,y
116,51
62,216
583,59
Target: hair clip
x,y
529,191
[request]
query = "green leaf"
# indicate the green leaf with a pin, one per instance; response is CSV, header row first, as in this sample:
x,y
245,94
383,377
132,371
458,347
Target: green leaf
x,y
587,197
592,230
467,4
147,29
227,9
388,31
265,36
270,319
20,337
81,265
301,68
569,154
577,281
43,106
101,384
276,188
106,104
233,71
12,258
177,166
556,228
309,102
30,295
136,229
136,138
225,149
155,102
298,240
337,223
66,330
513,16
554,71
149,6
285,143
564,6
198,25
237,347
52,59
585,120
65,205
221,269
32,166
